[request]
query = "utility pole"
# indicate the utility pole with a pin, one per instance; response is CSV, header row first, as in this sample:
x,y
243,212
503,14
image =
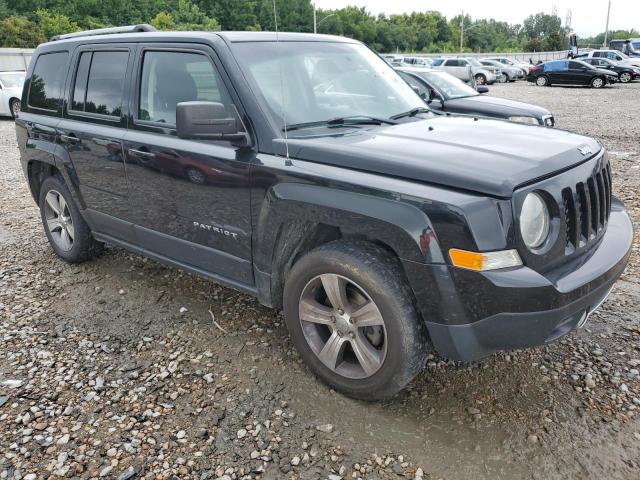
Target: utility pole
x,y
461,31
606,30
315,23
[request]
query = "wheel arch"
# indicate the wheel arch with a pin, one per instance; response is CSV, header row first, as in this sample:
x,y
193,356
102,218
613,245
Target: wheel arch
x,y
296,218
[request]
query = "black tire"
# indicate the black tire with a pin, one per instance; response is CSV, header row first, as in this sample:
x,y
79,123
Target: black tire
x,y
195,175
480,79
14,107
83,246
625,77
543,81
598,82
378,274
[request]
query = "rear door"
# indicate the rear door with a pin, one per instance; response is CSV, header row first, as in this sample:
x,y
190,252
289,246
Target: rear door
x,y
579,74
453,66
190,199
557,71
92,129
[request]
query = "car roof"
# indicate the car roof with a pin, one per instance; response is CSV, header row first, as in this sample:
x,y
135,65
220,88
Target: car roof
x,y
231,37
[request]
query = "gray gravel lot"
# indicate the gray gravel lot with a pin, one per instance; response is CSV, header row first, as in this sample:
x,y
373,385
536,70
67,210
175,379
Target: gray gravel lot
x,y
114,368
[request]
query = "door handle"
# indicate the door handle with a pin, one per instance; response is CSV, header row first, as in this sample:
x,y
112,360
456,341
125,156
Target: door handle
x,y
71,139
140,154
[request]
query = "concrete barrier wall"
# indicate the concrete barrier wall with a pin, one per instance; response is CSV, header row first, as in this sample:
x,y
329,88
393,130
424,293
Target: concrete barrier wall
x,y
12,59
522,56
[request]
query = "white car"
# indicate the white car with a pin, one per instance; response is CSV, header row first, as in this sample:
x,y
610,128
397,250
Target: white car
x,y
10,93
459,67
511,63
615,55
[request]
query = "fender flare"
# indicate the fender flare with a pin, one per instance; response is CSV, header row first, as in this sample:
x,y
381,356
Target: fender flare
x,y
402,227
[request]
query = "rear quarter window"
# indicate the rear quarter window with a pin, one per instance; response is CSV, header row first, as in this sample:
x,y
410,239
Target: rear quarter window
x,y
47,81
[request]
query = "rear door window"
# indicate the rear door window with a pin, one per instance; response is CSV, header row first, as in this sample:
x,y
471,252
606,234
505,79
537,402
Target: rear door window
x,y
170,77
99,83
47,81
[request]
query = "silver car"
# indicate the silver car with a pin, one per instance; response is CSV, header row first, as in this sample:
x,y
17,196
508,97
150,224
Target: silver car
x,y
508,73
465,69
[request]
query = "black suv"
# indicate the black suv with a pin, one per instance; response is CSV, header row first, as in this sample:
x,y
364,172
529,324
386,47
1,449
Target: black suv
x,y
303,170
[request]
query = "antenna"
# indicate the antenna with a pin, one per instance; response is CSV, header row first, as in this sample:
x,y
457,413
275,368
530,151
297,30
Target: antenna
x,y
284,116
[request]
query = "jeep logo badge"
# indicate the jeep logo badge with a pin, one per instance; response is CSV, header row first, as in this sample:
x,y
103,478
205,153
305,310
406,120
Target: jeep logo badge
x,y
584,149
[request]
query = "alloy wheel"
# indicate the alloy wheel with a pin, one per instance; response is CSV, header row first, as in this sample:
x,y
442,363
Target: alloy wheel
x,y
15,108
541,81
597,82
59,221
625,77
343,326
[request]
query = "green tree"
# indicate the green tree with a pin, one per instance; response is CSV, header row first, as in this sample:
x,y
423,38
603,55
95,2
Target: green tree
x,y
20,32
54,23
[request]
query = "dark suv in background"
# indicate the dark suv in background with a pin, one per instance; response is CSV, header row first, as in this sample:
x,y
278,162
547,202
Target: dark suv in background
x,y
303,170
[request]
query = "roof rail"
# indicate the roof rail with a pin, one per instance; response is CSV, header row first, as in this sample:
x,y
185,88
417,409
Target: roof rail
x,y
143,27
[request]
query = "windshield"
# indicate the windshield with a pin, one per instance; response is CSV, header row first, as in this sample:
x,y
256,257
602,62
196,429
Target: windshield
x,y
636,45
474,62
12,80
450,86
319,81
623,55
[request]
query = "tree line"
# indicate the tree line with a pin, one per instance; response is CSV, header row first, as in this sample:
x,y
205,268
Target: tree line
x,y
26,23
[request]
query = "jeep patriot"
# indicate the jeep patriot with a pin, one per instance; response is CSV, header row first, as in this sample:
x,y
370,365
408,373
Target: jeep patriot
x,y
303,170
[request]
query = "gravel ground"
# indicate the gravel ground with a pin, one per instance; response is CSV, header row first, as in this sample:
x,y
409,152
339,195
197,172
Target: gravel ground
x,y
116,369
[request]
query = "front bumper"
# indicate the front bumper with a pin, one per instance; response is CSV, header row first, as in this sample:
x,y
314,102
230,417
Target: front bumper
x,y
485,312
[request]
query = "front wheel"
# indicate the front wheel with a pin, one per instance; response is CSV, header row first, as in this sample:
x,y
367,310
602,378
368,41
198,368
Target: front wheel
x,y
351,316
14,106
597,82
625,77
480,79
68,233
504,78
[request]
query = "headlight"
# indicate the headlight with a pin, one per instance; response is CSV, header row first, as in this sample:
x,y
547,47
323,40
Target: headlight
x,y
526,120
534,221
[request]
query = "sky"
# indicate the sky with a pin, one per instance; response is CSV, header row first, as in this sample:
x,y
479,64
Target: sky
x,y
588,16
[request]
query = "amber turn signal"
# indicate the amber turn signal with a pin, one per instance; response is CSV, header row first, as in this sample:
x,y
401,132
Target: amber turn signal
x,y
484,261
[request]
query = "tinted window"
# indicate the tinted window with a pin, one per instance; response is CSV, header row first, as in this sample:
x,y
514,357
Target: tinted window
x,y
47,81
417,85
169,78
106,83
80,85
576,65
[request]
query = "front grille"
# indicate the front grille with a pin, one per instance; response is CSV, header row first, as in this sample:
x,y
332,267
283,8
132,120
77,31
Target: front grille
x,y
586,209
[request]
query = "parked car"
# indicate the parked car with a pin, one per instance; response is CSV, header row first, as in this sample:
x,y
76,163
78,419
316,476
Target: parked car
x,y
446,93
570,72
418,61
614,55
11,84
630,46
512,63
625,74
508,73
384,231
459,67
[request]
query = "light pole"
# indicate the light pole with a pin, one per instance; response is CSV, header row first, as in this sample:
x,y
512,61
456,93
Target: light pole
x,y
606,30
461,31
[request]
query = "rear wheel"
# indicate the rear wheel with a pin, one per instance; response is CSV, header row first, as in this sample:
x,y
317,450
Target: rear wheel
x,y
504,78
625,77
480,79
597,82
14,106
542,81
351,316
196,176
68,233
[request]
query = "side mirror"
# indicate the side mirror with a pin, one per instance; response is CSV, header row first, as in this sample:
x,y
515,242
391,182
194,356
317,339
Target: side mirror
x,y
207,121
482,89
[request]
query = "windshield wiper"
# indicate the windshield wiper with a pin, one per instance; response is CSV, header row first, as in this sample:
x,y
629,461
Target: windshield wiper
x,y
411,113
342,121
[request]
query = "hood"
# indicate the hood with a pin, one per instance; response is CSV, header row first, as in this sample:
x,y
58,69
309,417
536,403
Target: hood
x,y
488,104
630,62
487,156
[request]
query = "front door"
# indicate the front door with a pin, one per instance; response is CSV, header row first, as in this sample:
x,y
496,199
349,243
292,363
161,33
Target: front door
x,y
190,199
92,129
